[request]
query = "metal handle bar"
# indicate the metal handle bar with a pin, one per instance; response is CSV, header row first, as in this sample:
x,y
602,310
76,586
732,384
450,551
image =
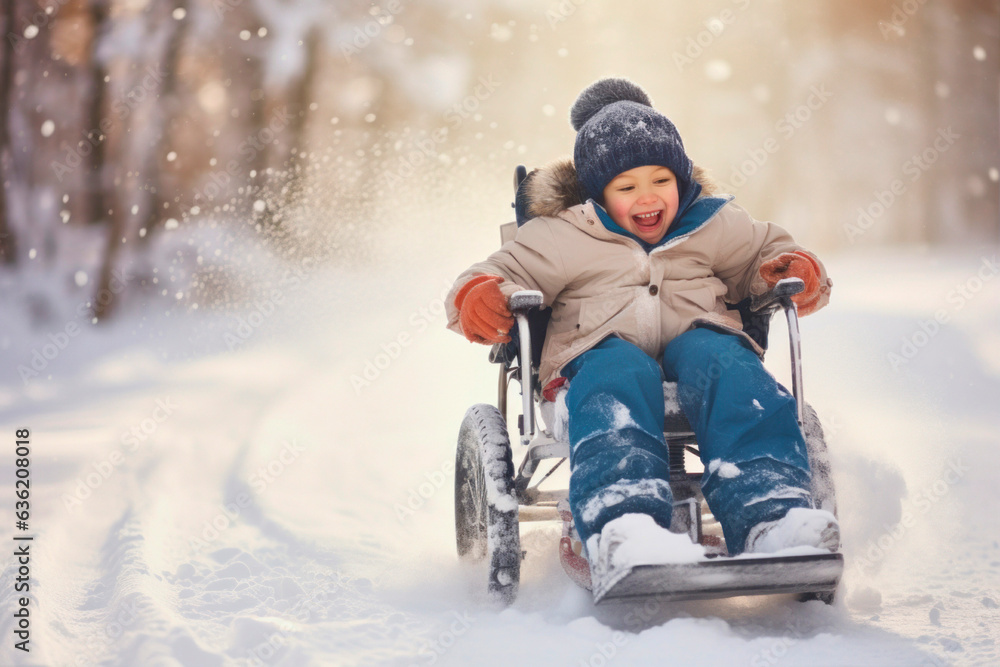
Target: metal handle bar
x,y
520,304
783,289
780,296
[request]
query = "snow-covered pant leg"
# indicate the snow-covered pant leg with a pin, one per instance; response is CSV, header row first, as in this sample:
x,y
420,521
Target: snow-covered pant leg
x,y
756,465
618,457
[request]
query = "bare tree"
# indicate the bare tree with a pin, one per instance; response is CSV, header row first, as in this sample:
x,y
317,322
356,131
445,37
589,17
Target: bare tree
x,y
164,112
100,196
8,246
95,112
301,101
299,22
304,90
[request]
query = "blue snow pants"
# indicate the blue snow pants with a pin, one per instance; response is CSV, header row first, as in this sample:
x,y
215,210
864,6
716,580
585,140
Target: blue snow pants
x,y
756,466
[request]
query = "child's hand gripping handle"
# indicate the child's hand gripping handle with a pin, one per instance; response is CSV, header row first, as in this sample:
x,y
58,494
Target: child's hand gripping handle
x,y
483,312
795,265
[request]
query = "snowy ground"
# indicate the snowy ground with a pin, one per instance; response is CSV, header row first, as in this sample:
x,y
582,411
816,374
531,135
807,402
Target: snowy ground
x,y
198,506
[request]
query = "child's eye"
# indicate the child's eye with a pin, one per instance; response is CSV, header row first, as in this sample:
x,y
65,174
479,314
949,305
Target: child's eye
x,y
662,181
625,188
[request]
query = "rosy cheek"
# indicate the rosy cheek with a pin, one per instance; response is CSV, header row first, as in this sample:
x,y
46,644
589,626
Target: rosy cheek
x,y
620,213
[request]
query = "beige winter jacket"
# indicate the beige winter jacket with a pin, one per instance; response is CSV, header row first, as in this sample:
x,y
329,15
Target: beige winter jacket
x,y
600,283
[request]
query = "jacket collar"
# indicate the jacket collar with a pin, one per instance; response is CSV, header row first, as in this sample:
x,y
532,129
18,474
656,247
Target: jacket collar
x,y
698,214
551,189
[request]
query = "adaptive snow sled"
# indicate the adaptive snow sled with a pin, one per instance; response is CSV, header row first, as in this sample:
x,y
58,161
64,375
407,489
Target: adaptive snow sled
x,y
492,499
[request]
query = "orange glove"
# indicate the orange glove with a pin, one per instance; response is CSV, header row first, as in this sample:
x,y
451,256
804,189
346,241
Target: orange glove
x,y
795,265
483,312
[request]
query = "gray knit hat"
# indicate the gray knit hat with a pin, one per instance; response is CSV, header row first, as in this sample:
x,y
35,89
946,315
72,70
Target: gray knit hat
x,y
618,129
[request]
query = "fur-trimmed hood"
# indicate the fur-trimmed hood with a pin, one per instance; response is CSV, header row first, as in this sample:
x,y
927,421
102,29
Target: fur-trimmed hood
x,y
554,187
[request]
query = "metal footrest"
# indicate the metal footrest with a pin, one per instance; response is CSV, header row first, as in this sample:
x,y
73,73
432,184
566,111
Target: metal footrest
x,y
726,577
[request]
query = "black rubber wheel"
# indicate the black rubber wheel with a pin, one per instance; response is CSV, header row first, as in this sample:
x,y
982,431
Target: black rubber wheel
x,y
823,493
825,598
486,513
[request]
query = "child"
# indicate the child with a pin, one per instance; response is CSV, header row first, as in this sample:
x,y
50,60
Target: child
x,y
637,262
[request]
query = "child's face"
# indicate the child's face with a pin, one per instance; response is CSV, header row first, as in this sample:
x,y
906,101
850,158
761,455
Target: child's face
x,y
643,201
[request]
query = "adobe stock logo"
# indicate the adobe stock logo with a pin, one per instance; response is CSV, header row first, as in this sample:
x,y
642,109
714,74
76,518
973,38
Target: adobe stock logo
x,y
425,490
959,297
914,167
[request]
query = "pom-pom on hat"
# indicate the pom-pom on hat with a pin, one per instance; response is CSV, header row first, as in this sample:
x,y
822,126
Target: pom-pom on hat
x,y
618,129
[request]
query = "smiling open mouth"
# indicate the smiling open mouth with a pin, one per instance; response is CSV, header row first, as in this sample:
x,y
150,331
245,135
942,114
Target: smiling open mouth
x,y
647,221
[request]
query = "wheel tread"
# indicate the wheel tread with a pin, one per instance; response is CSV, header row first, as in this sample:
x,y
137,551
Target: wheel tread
x,y
484,442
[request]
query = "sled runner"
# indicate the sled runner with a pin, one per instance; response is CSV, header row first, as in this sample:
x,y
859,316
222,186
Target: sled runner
x,y
492,498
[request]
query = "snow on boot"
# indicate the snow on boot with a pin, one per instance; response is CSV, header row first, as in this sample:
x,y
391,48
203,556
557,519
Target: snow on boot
x,y
801,527
632,540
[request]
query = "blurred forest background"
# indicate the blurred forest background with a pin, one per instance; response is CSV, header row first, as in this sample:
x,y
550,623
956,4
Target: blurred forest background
x,y
138,135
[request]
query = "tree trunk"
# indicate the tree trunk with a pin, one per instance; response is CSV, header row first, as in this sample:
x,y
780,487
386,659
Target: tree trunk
x,y
303,93
301,99
8,246
98,90
104,300
151,172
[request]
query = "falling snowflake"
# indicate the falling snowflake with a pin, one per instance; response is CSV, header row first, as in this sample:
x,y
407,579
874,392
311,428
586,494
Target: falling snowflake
x,y
718,70
500,33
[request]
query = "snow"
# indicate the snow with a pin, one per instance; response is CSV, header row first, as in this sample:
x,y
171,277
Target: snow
x,y
671,403
724,469
718,70
801,527
619,492
646,543
779,492
212,540
621,416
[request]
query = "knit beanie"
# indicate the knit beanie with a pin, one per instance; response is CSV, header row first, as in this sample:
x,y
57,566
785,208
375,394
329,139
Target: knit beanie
x,y
618,129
